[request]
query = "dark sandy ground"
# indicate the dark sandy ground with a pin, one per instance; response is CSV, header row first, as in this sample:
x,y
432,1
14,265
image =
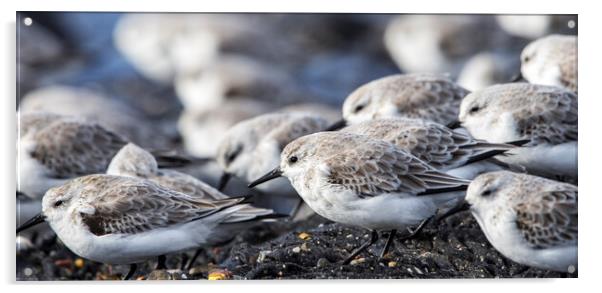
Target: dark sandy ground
x,y
311,250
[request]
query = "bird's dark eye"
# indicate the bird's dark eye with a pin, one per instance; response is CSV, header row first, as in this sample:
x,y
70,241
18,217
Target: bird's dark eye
x,y
486,192
527,59
233,154
293,159
358,108
58,203
474,109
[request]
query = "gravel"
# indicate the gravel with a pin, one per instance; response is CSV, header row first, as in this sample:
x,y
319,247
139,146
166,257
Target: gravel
x,y
313,249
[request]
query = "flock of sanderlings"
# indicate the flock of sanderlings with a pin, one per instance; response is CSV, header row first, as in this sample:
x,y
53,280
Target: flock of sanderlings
x,y
410,149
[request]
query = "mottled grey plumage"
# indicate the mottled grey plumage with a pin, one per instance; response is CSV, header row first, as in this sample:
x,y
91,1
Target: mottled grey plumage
x,y
134,161
543,114
125,220
419,95
551,60
125,205
367,166
433,143
549,218
70,147
248,145
529,219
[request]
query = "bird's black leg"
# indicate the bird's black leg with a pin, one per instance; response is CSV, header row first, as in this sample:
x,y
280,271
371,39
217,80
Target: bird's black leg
x,y
161,259
193,259
373,238
131,272
417,230
184,261
388,244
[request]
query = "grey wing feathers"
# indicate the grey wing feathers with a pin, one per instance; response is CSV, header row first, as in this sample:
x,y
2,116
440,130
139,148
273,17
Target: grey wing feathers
x,y
296,127
146,207
433,98
549,221
553,120
72,148
249,213
384,169
191,186
444,148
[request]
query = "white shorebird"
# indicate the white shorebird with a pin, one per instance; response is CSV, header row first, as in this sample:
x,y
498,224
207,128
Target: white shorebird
x,y
53,149
125,220
536,26
164,46
545,115
94,106
231,76
425,96
488,68
551,60
444,149
440,43
134,161
202,130
529,219
356,180
252,147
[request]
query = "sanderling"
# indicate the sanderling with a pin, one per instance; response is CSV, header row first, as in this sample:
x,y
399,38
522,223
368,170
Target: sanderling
x,y
134,161
551,60
444,149
529,219
440,43
536,26
160,46
231,76
425,96
202,130
94,106
54,148
126,220
163,46
488,68
356,180
545,115
252,147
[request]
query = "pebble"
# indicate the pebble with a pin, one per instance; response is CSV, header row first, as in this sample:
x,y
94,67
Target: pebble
x,y
79,263
219,275
304,236
297,249
305,247
322,262
262,255
198,270
357,261
392,264
419,271
159,275
571,269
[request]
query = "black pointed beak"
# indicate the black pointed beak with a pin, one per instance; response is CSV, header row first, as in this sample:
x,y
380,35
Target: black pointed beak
x,y
337,125
454,124
517,77
267,177
223,181
38,219
464,206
